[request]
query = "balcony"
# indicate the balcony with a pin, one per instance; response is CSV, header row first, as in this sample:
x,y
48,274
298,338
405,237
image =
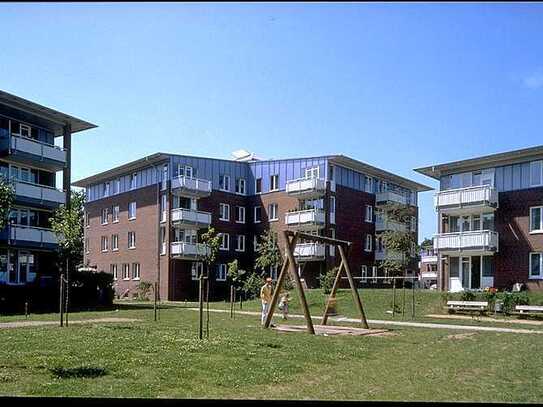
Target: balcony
x,y
306,188
462,201
193,187
38,194
31,236
309,251
189,218
477,242
382,225
390,196
387,255
188,251
27,150
427,257
309,219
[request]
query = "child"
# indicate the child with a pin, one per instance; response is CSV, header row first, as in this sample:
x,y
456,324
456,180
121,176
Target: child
x,y
283,303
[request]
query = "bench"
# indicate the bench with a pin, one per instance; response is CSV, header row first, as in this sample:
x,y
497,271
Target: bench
x,y
529,309
480,306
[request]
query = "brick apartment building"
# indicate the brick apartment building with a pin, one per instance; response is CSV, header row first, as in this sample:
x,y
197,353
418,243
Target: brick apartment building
x,y
143,219
35,146
490,220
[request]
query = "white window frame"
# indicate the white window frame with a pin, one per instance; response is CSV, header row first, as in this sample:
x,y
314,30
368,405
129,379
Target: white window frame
x,y
374,274
126,276
162,237
136,275
118,185
115,243
222,272
274,182
368,242
312,172
239,183
368,184
364,273
87,243
107,189
134,181
115,214
133,215
254,214
256,183
86,219
225,238
106,212
369,214
225,182
240,210
195,268
240,248
271,212
540,230
131,241
104,244
223,207
114,272
533,163
27,128
540,276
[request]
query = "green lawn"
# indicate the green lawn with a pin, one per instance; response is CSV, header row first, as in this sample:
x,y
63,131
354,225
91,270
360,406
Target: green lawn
x,y
241,360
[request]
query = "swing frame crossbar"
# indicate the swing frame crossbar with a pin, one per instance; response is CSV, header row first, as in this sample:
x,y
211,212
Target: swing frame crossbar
x,y
290,266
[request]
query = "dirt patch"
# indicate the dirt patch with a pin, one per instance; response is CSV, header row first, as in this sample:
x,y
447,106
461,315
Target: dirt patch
x,y
461,336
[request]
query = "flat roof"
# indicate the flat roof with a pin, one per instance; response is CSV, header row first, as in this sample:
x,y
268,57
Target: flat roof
x,y
486,161
43,112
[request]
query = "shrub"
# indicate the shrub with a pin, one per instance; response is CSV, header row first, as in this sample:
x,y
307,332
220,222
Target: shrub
x,y
512,299
144,290
327,280
252,284
468,296
90,288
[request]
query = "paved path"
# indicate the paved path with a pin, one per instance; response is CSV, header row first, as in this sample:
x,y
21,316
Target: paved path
x,y
401,323
487,319
21,324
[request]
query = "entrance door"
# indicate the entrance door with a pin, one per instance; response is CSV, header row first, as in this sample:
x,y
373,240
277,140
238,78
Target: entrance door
x,y
475,272
465,272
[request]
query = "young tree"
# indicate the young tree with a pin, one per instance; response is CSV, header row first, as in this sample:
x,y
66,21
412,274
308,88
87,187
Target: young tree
x,y
268,251
427,243
67,223
235,274
7,195
212,242
399,241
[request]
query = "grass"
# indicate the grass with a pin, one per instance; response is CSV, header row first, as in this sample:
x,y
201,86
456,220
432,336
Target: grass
x,y
241,360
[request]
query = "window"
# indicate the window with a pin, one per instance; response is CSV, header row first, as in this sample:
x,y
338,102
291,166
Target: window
x,y
117,186
103,243
224,212
135,271
312,172
369,243
114,242
368,184
197,268
163,207
87,248
113,271
126,271
274,182
535,173
369,213
332,209
105,216
364,270
272,212
221,272
536,265
115,214
225,241
536,225
134,181
132,210
240,243
86,219
255,243
413,223
257,214
25,130
240,186
240,214
224,183
184,170
258,186
162,240
131,240
106,189
374,274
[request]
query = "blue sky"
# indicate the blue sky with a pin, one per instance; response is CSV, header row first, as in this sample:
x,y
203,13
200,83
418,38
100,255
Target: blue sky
x,y
398,86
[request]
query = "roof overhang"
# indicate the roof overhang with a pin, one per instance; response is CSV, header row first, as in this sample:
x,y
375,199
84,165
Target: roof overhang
x,y
45,113
487,161
356,165
122,169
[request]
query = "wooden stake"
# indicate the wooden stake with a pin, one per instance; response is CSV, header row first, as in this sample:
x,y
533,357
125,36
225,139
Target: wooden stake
x,y
61,303
356,297
413,299
332,294
201,305
156,296
67,288
207,307
403,298
393,296
231,301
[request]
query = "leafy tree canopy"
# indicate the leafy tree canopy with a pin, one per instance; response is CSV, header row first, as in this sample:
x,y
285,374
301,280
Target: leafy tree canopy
x,y
7,196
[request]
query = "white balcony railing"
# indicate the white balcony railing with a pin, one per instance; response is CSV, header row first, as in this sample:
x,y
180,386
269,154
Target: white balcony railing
x,y
390,196
387,224
309,218
191,186
428,258
306,186
32,234
39,192
37,148
479,195
190,250
484,240
388,255
309,251
191,217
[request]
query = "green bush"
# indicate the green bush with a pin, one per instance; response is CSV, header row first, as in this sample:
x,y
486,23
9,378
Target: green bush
x,y
327,280
510,300
252,284
468,296
144,290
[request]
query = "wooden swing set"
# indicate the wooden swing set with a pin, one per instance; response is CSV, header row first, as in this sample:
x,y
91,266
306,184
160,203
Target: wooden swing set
x,y
289,265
